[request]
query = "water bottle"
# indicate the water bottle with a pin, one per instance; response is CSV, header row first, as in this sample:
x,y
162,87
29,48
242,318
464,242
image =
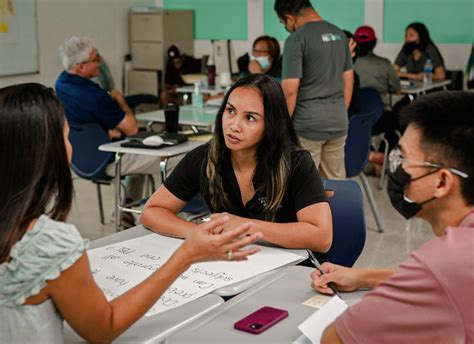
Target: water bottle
x,y
211,75
428,72
197,99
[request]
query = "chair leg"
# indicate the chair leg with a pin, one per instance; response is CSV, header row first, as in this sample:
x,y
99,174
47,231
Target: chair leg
x,y
151,184
384,165
373,205
101,206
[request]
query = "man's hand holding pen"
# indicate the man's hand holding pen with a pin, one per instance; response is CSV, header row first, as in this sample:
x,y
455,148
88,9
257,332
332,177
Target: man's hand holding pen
x,y
344,279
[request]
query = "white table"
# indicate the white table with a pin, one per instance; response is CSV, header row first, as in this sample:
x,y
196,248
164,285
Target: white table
x,y
212,90
156,328
417,88
164,154
286,290
192,116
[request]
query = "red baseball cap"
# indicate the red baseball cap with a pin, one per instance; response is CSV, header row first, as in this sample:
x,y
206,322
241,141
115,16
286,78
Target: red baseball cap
x,y
364,34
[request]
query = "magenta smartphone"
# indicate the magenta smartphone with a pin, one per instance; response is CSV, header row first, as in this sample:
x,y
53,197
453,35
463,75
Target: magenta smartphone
x,y
260,320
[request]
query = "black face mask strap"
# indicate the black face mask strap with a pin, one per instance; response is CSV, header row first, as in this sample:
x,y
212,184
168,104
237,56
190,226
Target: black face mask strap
x,y
425,175
431,199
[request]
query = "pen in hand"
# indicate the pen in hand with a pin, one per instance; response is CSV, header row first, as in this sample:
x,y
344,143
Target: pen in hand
x,y
320,269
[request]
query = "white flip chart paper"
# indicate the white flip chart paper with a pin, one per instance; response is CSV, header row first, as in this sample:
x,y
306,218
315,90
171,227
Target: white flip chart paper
x,y
118,267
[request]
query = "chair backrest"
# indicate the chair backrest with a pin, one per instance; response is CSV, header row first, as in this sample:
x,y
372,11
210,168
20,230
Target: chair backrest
x,y
359,134
457,79
87,161
371,101
348,219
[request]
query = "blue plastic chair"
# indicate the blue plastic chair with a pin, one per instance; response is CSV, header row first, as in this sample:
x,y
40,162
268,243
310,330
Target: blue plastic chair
x,y
87,161
359,137
348,219
195,208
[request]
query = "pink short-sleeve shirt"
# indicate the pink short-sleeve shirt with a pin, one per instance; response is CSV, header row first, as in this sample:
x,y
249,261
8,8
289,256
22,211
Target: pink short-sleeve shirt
x,y
430,299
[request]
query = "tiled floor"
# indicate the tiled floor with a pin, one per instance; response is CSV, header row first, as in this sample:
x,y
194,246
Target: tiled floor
x,y
386,249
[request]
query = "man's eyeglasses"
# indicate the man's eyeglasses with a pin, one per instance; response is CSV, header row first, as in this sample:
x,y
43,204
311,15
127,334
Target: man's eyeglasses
x,y
96,59
260,51
396,159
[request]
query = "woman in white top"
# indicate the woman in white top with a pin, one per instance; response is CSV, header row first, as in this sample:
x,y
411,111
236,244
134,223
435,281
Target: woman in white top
x,y
44,271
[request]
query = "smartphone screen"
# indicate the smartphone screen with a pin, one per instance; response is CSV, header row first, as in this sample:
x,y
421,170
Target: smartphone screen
x,y
260,320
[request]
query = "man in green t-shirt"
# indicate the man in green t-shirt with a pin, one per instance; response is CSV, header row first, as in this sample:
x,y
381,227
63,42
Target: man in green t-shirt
x,y
317,81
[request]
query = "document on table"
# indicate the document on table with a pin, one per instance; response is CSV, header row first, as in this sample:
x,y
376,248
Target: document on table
x,y
119,267
314,326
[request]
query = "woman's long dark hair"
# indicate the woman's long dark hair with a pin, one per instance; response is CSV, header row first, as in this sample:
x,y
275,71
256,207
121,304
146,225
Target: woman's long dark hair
x,y
273,152
35,177
423,33
425,39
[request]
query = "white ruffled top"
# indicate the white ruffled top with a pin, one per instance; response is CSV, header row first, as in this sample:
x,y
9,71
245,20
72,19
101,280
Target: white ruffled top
x,y
41,255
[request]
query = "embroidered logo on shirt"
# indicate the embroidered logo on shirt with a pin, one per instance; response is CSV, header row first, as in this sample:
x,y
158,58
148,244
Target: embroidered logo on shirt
x,y
330,37
263,202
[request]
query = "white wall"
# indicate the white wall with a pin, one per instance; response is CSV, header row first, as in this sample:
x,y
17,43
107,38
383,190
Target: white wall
x,y
105,21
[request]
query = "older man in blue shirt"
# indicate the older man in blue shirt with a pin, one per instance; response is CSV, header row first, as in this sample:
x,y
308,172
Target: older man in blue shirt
x,y
86,102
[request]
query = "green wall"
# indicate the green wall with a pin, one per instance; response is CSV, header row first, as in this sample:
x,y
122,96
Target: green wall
x,y
215,19
449,21
347,14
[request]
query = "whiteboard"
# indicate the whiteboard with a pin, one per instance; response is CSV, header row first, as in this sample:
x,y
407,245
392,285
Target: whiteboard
x,y
18,37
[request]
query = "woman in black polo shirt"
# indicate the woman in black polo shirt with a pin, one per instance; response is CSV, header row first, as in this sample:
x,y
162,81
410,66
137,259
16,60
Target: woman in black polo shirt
x,y
252,169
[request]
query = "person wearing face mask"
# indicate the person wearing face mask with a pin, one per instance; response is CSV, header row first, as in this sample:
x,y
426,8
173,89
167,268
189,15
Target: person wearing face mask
x,y
418,48
429,298
264,58
317,79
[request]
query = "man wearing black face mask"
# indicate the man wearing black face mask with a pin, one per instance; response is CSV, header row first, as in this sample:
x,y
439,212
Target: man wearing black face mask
x,y
429,298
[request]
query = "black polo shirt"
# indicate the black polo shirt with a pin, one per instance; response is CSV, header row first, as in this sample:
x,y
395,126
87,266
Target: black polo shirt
x,y
303,187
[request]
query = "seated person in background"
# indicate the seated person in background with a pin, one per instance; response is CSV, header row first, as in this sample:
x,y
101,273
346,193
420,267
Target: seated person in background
x,y
253,168
373,70
377,72
177,65
86,102
45,275
265,58
429,298
354,106
106,81
417,49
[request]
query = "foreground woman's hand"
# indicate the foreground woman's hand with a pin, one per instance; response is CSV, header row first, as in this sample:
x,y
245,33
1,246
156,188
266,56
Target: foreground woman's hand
x,y
232,222
204,245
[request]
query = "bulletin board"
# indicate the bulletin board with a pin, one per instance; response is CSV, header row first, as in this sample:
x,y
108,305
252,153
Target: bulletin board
x,y
346,14
215,19
18,37
447,21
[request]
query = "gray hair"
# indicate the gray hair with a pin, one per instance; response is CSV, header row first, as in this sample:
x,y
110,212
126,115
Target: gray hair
x,y
75,50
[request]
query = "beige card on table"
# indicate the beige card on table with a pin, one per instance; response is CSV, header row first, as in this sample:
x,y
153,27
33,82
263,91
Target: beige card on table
x,y
317,301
